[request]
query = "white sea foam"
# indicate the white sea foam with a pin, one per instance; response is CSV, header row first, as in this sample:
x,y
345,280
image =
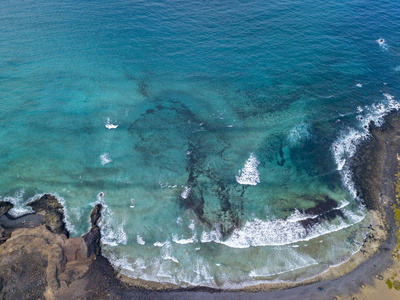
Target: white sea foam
x,y
159,244
109,125
167,250
166,185
249,175
132,203
203,273
298,133
343,204
279,232
185,192
19,203
140,240
105,158
345,147
191,240
112,231
192,225
298,216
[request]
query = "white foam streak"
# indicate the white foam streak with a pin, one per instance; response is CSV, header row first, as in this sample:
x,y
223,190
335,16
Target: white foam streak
x,y
159,244
17,200
109,125
140,240
105,159
167,252
298,216
191,240
249,175
185,192
279,232
112,231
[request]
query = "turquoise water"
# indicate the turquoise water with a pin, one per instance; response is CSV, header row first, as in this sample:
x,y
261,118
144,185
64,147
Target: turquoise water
x,y
210,131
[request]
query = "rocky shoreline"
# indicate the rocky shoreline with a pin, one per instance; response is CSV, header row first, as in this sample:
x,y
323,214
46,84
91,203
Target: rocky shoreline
x,y
38,259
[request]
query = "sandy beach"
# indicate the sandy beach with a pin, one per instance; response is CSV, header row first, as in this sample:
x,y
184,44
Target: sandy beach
x,y
373,272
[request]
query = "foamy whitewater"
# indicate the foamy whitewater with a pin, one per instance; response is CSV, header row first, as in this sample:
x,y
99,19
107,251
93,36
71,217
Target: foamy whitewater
x,y
217,135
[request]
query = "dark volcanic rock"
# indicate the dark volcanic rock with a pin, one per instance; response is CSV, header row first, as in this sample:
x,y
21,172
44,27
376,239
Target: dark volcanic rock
x,y
92,238
374,157
5,206
43,263
53,213
23,275
325,210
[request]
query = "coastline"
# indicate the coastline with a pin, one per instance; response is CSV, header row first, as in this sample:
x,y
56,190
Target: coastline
x,y
365,273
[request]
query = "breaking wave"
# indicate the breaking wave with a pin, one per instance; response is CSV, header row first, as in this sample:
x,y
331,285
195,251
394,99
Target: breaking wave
x,y
249,175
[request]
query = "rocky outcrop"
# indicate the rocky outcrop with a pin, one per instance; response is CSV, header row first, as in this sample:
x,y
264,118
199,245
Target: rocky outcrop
x,y
92,238
5,207
41,262
52,211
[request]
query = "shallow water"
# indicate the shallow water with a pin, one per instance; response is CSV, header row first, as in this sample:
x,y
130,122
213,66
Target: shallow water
x,y
219,133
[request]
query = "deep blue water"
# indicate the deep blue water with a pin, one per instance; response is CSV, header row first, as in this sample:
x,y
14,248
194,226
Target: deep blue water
x,y
208,129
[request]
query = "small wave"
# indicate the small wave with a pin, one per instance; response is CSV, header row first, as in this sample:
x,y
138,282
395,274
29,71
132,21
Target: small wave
x,y
192,225
185,192
105,159
17,200
166,185
167,250
112,231
279,232
159,244
345,147
298,216
191,240
249,175
109,125
140,240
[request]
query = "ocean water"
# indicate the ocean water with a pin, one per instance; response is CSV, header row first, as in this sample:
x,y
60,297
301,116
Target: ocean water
x,y
216,134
